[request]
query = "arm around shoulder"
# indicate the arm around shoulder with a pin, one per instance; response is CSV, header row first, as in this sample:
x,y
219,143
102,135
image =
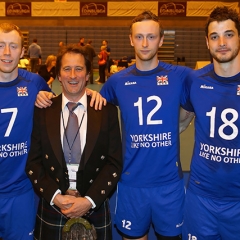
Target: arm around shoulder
x,y
184,119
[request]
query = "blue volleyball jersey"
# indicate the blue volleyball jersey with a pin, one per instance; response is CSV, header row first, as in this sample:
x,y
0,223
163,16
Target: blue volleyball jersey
x,y
215,166
16,111
149,103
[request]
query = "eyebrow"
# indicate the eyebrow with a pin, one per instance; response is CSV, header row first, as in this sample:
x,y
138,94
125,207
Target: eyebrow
x,y
227,31
9,42
68,66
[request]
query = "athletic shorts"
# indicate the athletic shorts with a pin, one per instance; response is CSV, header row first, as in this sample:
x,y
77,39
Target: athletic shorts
x,y
210,219
138,208
17,217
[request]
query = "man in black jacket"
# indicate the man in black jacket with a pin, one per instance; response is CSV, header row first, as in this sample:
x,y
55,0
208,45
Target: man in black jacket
x,y
73,190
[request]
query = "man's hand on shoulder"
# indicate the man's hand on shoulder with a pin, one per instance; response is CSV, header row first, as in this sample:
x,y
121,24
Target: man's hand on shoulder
x,y
97,98
43,99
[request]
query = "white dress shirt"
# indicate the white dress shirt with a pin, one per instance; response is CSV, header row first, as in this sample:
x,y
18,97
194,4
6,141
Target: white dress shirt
x,y
81,112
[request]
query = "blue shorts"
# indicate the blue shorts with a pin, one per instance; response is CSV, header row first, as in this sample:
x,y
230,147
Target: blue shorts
x,y
162,206
18,216
210,219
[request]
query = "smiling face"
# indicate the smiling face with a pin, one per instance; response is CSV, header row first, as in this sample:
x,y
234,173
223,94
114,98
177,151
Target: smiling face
x,y
223,41
11,51
73,76
145,38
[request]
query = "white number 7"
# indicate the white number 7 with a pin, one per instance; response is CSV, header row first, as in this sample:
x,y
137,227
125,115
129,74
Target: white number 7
x,y
12,120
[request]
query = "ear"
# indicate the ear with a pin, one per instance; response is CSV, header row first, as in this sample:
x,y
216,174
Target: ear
x,y
87,77
206,38
131,42
22,53
161,41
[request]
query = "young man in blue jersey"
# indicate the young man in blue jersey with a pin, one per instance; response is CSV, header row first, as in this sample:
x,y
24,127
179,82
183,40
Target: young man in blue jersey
x,y
18,91
212,208
151,188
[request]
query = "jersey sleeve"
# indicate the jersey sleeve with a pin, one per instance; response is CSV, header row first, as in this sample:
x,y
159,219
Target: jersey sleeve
x,y
39,82
108,90
185,96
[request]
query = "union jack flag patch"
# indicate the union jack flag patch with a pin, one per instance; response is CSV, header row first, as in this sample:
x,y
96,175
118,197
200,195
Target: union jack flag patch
x,y
22,91
162,80
238,90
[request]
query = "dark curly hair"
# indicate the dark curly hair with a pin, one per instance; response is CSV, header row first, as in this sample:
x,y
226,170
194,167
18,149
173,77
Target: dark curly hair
x,y
220,14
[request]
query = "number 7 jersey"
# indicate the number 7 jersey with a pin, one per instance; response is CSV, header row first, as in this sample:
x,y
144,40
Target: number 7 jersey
x,y
149,103
215,166
17,106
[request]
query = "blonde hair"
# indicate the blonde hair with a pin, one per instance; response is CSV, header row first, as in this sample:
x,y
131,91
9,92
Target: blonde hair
x,y
50,59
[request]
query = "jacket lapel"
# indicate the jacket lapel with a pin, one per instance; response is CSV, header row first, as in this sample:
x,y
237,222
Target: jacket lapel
x,y
53,115
93,128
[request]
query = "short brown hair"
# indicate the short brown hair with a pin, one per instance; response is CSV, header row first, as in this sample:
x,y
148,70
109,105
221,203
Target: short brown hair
x,y
72,48
147,15
8,27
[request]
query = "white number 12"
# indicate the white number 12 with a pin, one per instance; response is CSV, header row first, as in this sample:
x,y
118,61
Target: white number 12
x,y
151,113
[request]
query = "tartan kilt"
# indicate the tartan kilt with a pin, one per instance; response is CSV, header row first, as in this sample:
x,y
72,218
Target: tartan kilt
x,y
50,221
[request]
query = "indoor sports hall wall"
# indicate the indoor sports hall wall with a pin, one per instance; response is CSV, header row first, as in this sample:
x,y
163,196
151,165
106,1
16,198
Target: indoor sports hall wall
x,y
189,43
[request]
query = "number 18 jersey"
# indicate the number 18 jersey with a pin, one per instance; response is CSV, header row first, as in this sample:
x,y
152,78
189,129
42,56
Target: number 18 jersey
x,y
149,103
215,166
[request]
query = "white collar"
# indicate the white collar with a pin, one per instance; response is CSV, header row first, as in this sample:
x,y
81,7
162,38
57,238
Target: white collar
x,y
82,100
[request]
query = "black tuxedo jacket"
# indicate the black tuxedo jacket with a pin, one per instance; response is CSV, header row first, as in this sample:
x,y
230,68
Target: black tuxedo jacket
x,y
101,162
